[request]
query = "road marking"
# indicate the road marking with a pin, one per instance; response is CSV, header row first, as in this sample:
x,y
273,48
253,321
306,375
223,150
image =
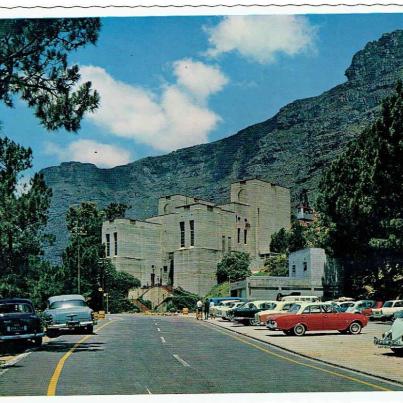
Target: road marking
x,y
183,362
58,370
5,367
158,329
162,339
149,392
300,363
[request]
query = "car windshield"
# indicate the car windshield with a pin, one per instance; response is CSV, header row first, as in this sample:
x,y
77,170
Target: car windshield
x,y
388,304
294,308
67,304
16,308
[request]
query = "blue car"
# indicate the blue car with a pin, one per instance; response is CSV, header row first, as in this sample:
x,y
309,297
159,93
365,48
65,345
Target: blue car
x,y
68,312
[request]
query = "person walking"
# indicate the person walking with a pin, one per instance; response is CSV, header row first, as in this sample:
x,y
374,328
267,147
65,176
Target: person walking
x,y
206,309
199,311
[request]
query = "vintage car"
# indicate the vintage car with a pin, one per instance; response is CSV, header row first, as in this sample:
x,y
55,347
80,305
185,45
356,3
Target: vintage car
x,y
360,306
397,315
279,307
300,298
387,310
227,312
68,312
215,311
303,317
19,322
343,306
246,313
393,338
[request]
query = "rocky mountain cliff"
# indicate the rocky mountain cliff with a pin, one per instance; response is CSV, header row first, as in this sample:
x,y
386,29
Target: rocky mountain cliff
x,y
290,149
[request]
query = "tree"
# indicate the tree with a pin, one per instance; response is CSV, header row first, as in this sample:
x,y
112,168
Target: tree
x,y
234,266
115,210
86,253
23,216
361,202
33,65
279,241
277,265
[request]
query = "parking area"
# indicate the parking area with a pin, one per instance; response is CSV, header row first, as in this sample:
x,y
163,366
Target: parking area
x,y
356,352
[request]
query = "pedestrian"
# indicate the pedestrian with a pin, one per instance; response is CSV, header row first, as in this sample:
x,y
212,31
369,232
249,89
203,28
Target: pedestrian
x,y
199,311
206,309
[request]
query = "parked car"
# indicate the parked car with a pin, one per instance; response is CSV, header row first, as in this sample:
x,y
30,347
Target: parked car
x,y
19,321
246,313
361,305
216,309
68,312
393,338
279,307
226,312
343,306
303,317
368,311
387,310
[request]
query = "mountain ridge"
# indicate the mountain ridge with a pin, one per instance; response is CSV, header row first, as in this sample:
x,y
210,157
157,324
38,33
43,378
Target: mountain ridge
x,y
291,148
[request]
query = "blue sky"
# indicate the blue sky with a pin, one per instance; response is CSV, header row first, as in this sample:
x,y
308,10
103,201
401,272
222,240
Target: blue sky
x,y
170,82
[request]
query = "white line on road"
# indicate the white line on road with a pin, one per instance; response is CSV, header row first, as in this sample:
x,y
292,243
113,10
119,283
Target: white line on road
x,y
149,392
162,339
183,362
12,362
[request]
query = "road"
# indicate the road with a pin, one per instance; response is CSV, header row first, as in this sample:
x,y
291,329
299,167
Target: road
x,y
133,354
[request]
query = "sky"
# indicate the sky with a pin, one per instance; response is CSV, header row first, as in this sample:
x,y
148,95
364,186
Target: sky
x,y
172,82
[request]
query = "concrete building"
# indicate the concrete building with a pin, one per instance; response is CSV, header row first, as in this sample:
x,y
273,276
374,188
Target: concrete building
x,y
182,245
306,275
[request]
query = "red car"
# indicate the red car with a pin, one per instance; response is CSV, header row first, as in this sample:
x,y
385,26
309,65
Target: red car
x,y
309,316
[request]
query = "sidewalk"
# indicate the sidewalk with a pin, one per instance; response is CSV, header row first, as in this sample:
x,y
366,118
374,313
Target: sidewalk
x,y
354,352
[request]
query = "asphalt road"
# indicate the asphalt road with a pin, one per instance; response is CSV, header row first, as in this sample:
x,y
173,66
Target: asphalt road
x,y
152,355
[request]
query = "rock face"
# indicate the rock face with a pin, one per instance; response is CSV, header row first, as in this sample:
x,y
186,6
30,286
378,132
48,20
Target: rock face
x,y
290,149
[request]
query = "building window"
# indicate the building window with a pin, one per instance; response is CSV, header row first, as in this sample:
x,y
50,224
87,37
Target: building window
x,y
182,228
305,266
108,244
293,270
245,236
239,235
229,244
223,243
115,241
192,232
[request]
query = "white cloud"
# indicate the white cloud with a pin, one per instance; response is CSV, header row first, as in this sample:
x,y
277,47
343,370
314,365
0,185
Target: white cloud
x,y
261,38
102,155
201,79
176,117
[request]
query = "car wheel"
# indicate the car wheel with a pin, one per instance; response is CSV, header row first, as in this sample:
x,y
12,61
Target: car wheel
x,y
253,322
398,351
355,328
299,329
37,341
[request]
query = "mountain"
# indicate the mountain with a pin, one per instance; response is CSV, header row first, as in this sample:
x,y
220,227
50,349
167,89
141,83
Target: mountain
x,y
290,149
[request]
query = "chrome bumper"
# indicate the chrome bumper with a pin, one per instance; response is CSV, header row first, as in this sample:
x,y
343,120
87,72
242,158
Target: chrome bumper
x,y
67,326
22,336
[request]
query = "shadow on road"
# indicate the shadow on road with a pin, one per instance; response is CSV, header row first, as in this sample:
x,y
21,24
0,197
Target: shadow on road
x,y
63,346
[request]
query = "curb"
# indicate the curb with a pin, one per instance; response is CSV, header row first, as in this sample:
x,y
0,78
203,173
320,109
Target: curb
x,y
311,358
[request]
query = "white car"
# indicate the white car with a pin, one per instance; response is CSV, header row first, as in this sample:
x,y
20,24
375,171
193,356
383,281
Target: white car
x,y
393,338
276,308
215,311
387,310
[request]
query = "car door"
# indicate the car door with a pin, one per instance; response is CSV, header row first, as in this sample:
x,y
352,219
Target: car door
x,y
312,316
332,318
